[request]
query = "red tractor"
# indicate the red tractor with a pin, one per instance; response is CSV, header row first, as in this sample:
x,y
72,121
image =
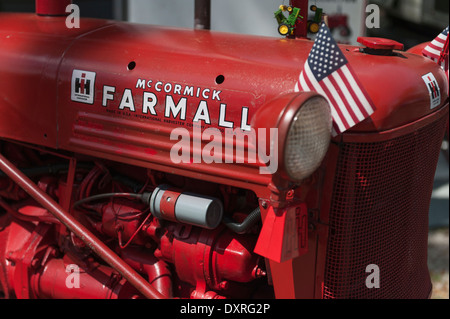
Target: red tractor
x,y
99,198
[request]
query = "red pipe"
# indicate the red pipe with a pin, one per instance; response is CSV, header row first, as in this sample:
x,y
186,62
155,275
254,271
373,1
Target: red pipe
x,y
301,27
94,283
157,270
96,245
202,15
52,7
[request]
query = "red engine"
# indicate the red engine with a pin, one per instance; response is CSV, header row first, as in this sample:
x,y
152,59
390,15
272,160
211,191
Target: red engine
x,y
177,257
97,199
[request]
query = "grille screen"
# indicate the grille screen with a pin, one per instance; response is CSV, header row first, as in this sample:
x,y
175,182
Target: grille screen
x,y
379,215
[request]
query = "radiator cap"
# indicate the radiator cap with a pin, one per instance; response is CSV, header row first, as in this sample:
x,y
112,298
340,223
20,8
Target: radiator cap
x,y
380,46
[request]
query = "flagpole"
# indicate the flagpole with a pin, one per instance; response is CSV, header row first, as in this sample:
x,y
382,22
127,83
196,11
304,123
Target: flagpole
x,y
444,53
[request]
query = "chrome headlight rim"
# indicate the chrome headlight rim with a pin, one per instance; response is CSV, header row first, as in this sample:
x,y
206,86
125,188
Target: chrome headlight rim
x,y
280,113
318,134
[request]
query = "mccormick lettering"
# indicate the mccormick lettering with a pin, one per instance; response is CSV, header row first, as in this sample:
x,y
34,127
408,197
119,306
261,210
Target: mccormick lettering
x,y
178,89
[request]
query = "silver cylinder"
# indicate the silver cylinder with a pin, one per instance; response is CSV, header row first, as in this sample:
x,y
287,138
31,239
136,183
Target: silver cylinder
x,y
189,208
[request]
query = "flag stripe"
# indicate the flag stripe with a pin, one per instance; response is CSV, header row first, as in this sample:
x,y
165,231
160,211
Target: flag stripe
x,y
436,48
442,37
345,108
343,117
435,53
312,82
346,95
347,84
303,83
438,42
363,98
338,81
338,126
334,130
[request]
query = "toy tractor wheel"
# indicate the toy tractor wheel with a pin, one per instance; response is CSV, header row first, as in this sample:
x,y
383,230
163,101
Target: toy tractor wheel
x,y
284,29
313,8
313,27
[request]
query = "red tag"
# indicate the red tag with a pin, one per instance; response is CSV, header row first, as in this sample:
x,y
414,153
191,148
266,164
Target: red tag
x,y
279,238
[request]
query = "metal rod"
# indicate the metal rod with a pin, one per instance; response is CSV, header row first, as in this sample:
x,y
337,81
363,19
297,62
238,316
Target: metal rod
x,y
95,244
202,15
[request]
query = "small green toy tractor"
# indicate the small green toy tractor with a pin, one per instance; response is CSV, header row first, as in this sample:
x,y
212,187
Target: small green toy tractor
x,y
286,24
314,24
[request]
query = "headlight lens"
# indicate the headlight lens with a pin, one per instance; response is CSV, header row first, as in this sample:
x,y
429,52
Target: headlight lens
x,y
308,139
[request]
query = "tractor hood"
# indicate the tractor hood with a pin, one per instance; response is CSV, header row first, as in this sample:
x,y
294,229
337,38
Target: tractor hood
x,y
120,88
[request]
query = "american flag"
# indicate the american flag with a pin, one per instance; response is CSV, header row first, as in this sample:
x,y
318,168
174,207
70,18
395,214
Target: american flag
x,y
328,73
437,50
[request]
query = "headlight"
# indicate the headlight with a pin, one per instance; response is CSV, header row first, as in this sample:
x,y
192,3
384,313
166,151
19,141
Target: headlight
x,y
304,123
308,138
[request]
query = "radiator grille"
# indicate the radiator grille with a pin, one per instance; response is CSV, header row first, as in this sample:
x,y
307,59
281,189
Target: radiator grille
x,y
379,215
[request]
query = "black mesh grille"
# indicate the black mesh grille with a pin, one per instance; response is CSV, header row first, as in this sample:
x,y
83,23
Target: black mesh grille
x,y
379,215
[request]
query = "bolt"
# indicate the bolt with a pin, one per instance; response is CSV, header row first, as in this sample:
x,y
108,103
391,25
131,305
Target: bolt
x,y
260,273
224,285
35,263
54,252
9,256
290,194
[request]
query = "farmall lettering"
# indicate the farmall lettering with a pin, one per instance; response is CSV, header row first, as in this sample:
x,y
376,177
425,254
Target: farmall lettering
x,y
182,105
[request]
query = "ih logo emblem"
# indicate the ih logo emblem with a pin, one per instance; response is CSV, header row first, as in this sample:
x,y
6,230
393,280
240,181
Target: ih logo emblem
x,y
83,86
433,89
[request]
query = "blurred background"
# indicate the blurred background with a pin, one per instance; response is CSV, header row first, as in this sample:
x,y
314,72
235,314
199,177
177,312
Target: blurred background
x,y
408,21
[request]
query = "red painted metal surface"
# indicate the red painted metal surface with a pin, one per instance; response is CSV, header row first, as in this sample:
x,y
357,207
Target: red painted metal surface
x,y
206,259
100,95
93,129
99,282
283,233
